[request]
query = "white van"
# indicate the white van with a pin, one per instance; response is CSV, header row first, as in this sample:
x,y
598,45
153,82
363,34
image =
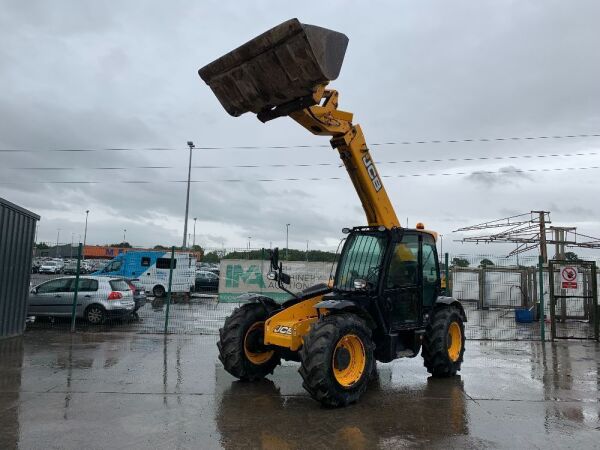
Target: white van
x,y
151,268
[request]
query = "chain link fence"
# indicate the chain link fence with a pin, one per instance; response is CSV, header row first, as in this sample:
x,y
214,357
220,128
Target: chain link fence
x,y
502,298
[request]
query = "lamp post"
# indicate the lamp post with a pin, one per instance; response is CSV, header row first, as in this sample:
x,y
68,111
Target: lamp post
x,y
87,211
306,251
187,198
441,244
124,233
56,252
249,239
194,241
71,248
287,239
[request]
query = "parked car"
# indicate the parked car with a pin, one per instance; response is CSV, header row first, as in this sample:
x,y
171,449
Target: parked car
x,y
206,281
209,267
71,268
139,295
52,267
98,298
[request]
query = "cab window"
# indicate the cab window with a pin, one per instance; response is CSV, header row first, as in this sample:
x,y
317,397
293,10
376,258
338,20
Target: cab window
x,y
165,263
113,266
404,263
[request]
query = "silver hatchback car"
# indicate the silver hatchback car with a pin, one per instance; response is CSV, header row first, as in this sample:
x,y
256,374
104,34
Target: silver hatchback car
x,y
98,298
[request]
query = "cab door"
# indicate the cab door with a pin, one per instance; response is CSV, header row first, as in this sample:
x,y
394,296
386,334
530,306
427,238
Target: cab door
x,y
431,269
402,291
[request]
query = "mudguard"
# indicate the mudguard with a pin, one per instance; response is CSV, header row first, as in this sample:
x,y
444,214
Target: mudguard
x,y
451,301
267,302
336,304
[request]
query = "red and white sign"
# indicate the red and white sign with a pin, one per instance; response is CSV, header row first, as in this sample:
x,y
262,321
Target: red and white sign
x,y
568,277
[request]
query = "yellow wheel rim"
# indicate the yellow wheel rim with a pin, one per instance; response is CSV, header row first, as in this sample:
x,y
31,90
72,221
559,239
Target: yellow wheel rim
x,y
454,341
256,358
349,360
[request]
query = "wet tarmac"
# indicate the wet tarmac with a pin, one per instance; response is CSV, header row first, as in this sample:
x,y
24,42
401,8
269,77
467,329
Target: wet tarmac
x,y
127,390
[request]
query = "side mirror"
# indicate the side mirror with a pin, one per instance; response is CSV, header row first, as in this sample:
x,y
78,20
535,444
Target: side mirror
x,y
360,284
284,278
272,275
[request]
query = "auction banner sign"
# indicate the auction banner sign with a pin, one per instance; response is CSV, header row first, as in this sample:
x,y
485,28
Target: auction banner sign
x,y
242,276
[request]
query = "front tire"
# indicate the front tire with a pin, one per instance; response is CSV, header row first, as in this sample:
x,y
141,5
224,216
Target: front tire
x,y
241,344
158,291
337,359
444,343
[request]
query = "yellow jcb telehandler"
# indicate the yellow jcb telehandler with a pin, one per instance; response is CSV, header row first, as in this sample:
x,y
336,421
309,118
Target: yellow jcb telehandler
x,y
385,301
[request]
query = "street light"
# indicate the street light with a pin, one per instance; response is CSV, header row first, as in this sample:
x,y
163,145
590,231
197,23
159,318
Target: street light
x,y
306,251
249,238
56,253
442,245
71,249
87,211
187,198
124,232
287,239
194,242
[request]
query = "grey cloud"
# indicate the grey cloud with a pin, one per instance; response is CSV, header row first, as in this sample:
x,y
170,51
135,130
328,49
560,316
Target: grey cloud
x,y
110,74
507,174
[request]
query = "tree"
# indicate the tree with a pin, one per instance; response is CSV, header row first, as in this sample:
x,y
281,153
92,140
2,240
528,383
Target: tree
x,y
485,263
159,247
42,246
122,245
460,262
571,256
211,257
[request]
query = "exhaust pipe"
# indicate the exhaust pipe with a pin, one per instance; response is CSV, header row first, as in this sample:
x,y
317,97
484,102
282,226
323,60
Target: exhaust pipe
x,y
280,67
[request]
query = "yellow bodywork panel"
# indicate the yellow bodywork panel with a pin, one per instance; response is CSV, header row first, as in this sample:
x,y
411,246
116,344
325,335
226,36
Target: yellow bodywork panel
x,y
288,327
326,119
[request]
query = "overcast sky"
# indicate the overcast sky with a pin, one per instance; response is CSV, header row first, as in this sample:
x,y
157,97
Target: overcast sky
x,y
95,75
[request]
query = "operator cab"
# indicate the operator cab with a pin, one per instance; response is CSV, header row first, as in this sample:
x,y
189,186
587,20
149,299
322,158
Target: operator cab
x,y
394,271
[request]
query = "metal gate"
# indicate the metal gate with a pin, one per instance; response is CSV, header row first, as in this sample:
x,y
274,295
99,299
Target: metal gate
x,y
573,299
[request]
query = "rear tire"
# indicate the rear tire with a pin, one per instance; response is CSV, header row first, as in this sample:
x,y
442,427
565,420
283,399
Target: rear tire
x,y
241,344
158,291
95,314
444,343
337,359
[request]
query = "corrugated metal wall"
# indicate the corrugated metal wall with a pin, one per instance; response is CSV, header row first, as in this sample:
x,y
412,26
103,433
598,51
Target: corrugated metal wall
x,y
17,232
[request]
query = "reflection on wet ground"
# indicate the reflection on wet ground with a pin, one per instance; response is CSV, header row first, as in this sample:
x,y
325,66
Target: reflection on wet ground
x,y
123,390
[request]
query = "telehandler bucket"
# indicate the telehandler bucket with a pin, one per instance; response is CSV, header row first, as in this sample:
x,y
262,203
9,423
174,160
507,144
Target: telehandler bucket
x,y
281,66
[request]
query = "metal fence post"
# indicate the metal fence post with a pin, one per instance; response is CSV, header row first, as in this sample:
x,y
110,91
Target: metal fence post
x,y
552,301
74,307
447,275
541,292
595,302
169,290
481,288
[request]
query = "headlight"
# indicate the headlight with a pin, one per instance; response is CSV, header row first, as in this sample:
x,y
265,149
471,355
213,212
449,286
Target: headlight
x,y
272,276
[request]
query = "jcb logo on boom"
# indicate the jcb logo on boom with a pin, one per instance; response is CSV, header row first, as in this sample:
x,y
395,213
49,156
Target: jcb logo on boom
x,y
372,173
282,329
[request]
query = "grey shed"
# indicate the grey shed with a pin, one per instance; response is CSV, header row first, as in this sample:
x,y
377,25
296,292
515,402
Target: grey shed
x,y
17,232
